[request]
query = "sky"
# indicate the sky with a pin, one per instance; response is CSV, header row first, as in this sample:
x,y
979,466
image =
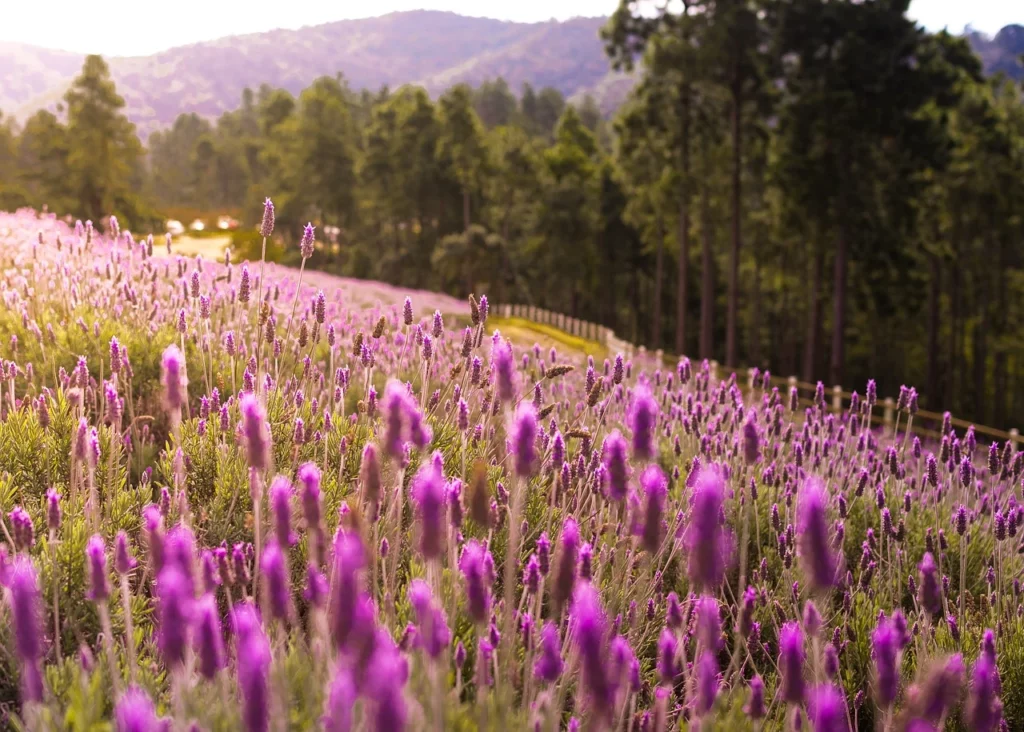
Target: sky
x,y
134,27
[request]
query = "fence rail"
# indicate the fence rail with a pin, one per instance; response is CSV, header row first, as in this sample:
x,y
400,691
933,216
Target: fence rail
x,y
925,423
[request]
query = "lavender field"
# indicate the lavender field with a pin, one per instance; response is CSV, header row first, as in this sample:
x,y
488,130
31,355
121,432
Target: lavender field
x,y
238,496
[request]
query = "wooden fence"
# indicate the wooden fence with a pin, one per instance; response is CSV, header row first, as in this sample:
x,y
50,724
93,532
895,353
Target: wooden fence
x,y
925,423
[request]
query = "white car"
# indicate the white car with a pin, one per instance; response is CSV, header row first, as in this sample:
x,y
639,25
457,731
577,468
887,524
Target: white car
x,y
175,228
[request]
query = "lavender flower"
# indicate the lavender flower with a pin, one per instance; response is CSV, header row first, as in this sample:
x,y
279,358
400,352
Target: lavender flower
x,y
791,663
281,510
369,474
643,418
23,585
209,640
984,710
549,665
96,556
53,513
252,651
256,432
812,533
307,241
707,682
275,573
174,611
428,491
349,561
523,433
751,442
706,538
341,699
709,623
267,224
655,486
309,477
613,452
667,667
565,572
589,629
174,379
134,712
885,650
754,707
827,710
929,591
478,593
403,421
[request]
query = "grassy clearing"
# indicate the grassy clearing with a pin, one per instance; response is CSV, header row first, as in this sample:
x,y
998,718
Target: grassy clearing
x,y
208,247
522,330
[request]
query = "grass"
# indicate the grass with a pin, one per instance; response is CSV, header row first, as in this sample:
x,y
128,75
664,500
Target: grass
x,y
208,247
523,330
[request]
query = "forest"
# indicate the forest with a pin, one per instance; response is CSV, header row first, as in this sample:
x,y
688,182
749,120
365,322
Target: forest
x,y
817,188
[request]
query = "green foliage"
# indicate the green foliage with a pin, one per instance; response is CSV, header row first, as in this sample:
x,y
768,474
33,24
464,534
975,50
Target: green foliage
x,y
103,151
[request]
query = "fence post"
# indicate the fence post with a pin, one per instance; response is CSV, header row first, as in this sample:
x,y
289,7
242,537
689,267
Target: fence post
x,y
837,398
887,414
1014,436
714,370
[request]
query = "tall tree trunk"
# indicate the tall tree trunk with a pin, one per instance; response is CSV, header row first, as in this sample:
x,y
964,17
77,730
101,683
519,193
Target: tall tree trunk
x,y
608,296
954,331
980,358
1013,389
731,356
659,274
999,383
684,230
934,292
755,320
783,340
634,324
465,209
839,277
814,316
707,286
683,276
999,375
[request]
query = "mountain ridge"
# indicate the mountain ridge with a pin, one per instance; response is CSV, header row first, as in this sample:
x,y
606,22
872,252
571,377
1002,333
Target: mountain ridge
x,y
431,48
434,49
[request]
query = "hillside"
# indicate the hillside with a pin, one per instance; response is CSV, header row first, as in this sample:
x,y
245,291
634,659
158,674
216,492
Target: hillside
x,y
435,49
1002,53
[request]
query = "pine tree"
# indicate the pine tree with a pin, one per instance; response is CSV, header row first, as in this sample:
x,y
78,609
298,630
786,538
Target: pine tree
x,y
104,153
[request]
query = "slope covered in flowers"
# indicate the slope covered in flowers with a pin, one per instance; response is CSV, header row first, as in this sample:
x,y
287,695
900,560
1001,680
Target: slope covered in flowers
x,y
348,512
